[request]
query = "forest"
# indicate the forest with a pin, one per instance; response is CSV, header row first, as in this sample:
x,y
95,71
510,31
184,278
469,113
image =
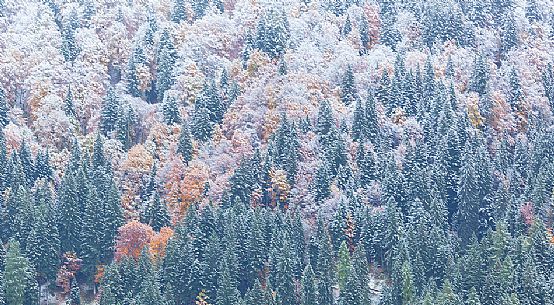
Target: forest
x,y
276,152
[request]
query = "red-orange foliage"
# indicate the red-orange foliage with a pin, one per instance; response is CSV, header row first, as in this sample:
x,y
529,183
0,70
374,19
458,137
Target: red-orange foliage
x,y
131,239
159,242
527,213
71,264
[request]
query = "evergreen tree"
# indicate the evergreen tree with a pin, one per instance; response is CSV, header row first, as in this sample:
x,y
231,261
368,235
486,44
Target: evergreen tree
x,y
179,11
479,78
165,63
170,111
70,50
199,8
75,294
4,120
365,39
515,95
309,287
202,127
20,287
344,265
349,93
322,183
508,35
110,112
159,214
359,122
469,200
347,27
184,146
272,33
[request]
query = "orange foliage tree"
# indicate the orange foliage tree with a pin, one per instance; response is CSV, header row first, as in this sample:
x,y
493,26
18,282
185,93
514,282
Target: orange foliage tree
x,y
183,185
131,239
159,242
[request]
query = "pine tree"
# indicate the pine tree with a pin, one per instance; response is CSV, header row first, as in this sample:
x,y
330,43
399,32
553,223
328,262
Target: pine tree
x,y
322,183
344,265
4,120
133,85
165,63
184,146
110,112
201,125
170,111
359,122
515,95
349,93
273,33
199,8
179,11
282,66
473,297
75,294
365,39
70,50
479,78
508,35
159,214
309,287
227,293
20,287
347,27
469,200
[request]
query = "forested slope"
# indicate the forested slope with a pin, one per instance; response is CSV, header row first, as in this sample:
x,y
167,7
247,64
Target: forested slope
x,y
287,152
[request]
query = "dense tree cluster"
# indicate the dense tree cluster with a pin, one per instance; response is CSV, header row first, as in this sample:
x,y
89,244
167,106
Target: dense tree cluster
x,y
325,152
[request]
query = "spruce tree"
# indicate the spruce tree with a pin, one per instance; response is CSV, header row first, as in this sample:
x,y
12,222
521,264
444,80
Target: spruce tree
x,y
3,109
179,11
202,127
74,294
20,287
184,146
349,93
322,183
164,69
110,112
359,122
479,78
170,111
347,27
309,291
344,265
273,33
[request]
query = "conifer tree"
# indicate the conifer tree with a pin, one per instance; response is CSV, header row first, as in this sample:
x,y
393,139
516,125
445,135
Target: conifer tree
x,y
74,294
273,33
20,287
344,265
184,146
179,11
170,111
359,122
3,109
70,50
201,125
199,8
133,85
164,69
479,78
110,112
508,35
349,93
309,287
347,27
322,183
